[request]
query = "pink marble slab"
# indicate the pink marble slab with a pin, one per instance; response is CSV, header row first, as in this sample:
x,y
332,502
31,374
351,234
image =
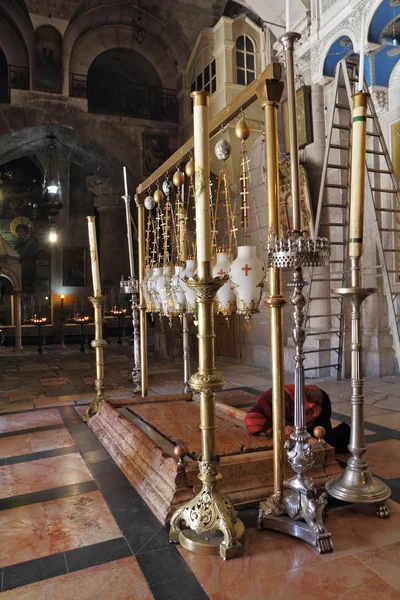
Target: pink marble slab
x,y
37,530
120,579
37,441
180,421
42,474
30,420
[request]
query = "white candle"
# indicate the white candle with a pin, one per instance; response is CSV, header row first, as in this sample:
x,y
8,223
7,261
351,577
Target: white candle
x,y
94,257
362,55
129,234
287,15
125,182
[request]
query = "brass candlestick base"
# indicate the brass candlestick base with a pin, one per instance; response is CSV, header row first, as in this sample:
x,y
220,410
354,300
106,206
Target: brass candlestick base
x,y
98,344
357,484
212,526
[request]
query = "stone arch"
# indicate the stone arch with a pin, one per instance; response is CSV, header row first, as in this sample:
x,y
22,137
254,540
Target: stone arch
x,y
339,48
13,274
101,150
13,47
107,37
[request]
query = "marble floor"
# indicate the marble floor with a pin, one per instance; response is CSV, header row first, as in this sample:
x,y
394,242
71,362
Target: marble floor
x,y
72,526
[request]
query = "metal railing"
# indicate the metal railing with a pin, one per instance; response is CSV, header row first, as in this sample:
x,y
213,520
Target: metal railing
x,y
127,99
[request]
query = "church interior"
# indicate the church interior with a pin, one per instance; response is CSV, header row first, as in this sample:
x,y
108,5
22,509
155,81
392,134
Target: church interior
x,y
199,299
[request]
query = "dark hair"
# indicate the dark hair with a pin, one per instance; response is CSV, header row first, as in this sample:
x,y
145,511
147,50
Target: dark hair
x,y
22,226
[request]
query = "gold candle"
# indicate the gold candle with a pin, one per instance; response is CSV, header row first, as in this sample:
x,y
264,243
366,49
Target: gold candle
x,y
358,174
94,257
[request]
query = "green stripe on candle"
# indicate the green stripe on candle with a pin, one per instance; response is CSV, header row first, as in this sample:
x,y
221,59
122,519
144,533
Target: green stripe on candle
x,y
359,119
356,240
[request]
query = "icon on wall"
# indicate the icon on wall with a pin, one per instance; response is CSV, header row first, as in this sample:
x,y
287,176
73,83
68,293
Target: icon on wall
x,y
74,266
155,151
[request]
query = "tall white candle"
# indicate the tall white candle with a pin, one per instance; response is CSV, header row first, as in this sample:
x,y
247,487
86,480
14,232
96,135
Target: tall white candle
x,y
94,257
362,56
287,15
125,181
202,178
129,234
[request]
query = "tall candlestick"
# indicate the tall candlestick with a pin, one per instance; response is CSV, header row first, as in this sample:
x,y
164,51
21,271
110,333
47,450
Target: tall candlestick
x,y
94,257
362,56
287,15
125,181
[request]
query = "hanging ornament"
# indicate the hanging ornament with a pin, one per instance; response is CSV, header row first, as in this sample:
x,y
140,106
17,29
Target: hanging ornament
x,y
247,275
242,130
189,293
149,202
177,291
167,186
222,149
179,178
190,168
225,301
158,195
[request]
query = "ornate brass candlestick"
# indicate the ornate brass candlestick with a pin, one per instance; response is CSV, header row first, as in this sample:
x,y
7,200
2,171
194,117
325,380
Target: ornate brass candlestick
x,y
98,344
295,507
211,523
142,301
356,483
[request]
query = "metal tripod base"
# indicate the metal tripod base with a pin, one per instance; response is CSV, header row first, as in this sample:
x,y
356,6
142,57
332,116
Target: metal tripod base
x,y
321,541
357,485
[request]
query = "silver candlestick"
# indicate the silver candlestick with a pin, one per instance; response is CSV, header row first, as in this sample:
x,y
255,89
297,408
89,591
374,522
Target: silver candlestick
x,y
298,500
131,286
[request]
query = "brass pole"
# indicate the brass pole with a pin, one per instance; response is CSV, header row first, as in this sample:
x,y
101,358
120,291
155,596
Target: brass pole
x,y
211,523
356,483
98,343
142,302
269,95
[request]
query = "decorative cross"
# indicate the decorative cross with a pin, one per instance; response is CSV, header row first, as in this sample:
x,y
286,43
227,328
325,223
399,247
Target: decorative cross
x,y
246,269
221,272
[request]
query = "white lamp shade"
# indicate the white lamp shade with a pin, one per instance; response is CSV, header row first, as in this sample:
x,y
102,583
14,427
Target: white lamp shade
x,y
247,275
189,293
157,273
163,286
145,289
225,301
176,290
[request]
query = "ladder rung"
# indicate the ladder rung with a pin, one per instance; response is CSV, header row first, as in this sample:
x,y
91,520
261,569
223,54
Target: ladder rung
x,y
390,210
373,133
336,366
336,331
337,243
344,127
321,350
375,152
343,106
333,224
339,147
331,166
388,229
337,186
334,205
379,171
384,190
326,279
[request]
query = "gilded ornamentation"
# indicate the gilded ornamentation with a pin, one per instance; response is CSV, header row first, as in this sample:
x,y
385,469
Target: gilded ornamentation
x,y
208,512
206,289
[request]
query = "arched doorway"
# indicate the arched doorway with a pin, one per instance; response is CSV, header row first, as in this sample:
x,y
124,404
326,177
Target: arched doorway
x,y
122,82
4,92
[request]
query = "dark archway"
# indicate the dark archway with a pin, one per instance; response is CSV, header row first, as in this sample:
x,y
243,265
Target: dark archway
x,y
4,91
122,82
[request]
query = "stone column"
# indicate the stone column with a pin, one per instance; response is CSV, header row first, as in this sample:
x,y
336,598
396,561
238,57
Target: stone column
x,y
113,250
17,321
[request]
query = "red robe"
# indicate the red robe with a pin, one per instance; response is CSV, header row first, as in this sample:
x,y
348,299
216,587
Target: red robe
x,y
259,418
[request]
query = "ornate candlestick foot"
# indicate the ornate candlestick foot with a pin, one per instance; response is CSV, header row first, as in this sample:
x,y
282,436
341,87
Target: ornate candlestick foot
x,y
212,526
98,344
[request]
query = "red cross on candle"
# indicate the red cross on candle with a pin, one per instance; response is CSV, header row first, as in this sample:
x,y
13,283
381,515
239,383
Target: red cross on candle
x,y
221,272
246,269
